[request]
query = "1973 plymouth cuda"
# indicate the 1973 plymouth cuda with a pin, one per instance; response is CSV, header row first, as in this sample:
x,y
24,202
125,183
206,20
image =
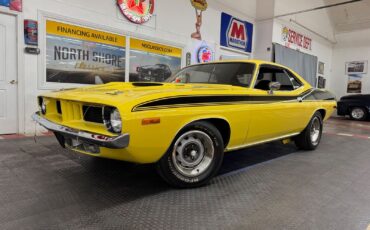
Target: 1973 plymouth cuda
x,y
187,123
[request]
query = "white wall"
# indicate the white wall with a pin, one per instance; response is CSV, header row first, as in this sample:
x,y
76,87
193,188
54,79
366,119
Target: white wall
x,y
354,46
317,21
173,23
320,48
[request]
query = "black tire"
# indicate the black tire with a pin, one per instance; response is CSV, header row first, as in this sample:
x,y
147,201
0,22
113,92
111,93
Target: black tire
x,y
172,170
358,113
307,141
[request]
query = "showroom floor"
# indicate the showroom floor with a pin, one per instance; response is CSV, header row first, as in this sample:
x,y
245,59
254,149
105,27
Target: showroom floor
x,y
272,186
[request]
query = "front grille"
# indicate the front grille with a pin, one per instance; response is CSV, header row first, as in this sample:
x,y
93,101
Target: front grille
x,y
59,107
93,114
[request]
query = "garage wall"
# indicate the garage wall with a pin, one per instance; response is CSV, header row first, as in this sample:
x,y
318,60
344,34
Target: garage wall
x,y
354,46
320,47
173,23
317,21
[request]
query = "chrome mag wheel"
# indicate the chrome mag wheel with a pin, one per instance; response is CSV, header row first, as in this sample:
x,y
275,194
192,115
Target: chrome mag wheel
x,y
358,113
193,153
315,131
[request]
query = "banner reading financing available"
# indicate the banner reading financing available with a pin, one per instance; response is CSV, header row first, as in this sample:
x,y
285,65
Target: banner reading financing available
x,y
82,55
236,33
153,62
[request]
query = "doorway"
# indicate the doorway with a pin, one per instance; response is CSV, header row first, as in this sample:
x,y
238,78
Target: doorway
x,y
8,75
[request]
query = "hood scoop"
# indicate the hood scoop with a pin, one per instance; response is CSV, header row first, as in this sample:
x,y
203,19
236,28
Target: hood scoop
x,y
146,84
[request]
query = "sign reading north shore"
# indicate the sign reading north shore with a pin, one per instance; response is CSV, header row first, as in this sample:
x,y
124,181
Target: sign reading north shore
x,y
137,11
76,54
293,39
236,33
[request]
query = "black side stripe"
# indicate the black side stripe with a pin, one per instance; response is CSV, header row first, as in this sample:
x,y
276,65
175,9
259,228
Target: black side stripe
x,y
211,100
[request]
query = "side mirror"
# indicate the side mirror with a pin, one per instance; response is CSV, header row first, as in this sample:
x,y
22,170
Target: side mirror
x,y
274,86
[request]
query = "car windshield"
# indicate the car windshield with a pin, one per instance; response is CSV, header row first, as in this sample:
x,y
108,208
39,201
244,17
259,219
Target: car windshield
x,y
237,74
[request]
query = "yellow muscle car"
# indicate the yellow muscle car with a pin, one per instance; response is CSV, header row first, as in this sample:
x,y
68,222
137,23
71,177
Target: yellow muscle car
x,y
185,124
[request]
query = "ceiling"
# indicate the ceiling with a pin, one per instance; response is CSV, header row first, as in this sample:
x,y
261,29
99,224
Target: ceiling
x,y
351,17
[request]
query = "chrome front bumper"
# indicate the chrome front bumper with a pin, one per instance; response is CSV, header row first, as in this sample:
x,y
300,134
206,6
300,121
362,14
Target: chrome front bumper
x,y
118,142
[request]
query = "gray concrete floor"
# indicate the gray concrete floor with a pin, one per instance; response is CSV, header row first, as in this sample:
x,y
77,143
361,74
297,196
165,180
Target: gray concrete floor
x,y
272,186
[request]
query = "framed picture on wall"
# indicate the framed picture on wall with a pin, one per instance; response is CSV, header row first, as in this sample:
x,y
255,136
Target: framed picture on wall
x,y
321,82
356,67
321,68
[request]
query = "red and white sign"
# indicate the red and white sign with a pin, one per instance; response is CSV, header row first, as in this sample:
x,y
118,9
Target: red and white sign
x,y
237,34
293,38
137,11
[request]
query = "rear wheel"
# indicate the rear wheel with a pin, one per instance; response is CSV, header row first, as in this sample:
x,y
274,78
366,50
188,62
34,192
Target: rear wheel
x,y
358,114
310,138
194,157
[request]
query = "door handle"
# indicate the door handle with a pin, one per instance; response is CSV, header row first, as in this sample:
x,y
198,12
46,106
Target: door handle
x,y
13,82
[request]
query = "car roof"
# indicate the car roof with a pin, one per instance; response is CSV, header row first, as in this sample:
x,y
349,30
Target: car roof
x,y
252,61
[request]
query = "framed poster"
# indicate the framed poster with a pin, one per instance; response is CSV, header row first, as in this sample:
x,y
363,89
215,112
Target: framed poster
x,y
356,67
80,55
15,5
354,83
153,62
30,32
321,68
321,82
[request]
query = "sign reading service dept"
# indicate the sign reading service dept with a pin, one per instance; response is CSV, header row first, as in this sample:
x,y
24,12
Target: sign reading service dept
x,y
236,33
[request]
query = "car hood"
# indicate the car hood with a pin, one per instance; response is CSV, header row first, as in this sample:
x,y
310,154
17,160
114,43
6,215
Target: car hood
x,y
118,93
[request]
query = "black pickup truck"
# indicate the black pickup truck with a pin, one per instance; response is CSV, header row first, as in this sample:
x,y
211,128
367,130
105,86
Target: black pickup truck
x,y
356,106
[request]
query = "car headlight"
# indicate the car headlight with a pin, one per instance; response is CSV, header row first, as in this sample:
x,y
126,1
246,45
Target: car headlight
x,y
112,120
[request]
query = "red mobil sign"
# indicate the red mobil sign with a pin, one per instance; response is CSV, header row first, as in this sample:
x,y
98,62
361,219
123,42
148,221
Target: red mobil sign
x,y
236,33
291,37
137,11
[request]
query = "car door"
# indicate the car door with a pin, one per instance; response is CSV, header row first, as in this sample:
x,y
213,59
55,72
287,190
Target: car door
x,y
279,113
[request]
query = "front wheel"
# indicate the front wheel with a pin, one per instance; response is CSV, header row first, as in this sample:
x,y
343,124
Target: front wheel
x,y
194,157
358,114
310,138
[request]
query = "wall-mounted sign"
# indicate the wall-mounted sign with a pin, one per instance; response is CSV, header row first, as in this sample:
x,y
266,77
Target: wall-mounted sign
x,y
153,62
30,32
294,39
4,3
137,11
188,58
205,54
200,6
76,54
16,5
236,33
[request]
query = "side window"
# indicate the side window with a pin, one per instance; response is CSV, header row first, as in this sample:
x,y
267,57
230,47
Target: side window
x,y
264,78
294,80
275,74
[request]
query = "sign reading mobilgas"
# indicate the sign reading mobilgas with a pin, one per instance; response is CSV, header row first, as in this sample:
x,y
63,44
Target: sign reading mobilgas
x,y
236,33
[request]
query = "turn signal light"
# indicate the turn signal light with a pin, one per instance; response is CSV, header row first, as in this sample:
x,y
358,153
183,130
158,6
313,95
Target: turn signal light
x,y
151,121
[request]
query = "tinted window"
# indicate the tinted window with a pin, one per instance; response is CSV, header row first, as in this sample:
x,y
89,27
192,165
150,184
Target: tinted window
x,y
238,74
268,74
